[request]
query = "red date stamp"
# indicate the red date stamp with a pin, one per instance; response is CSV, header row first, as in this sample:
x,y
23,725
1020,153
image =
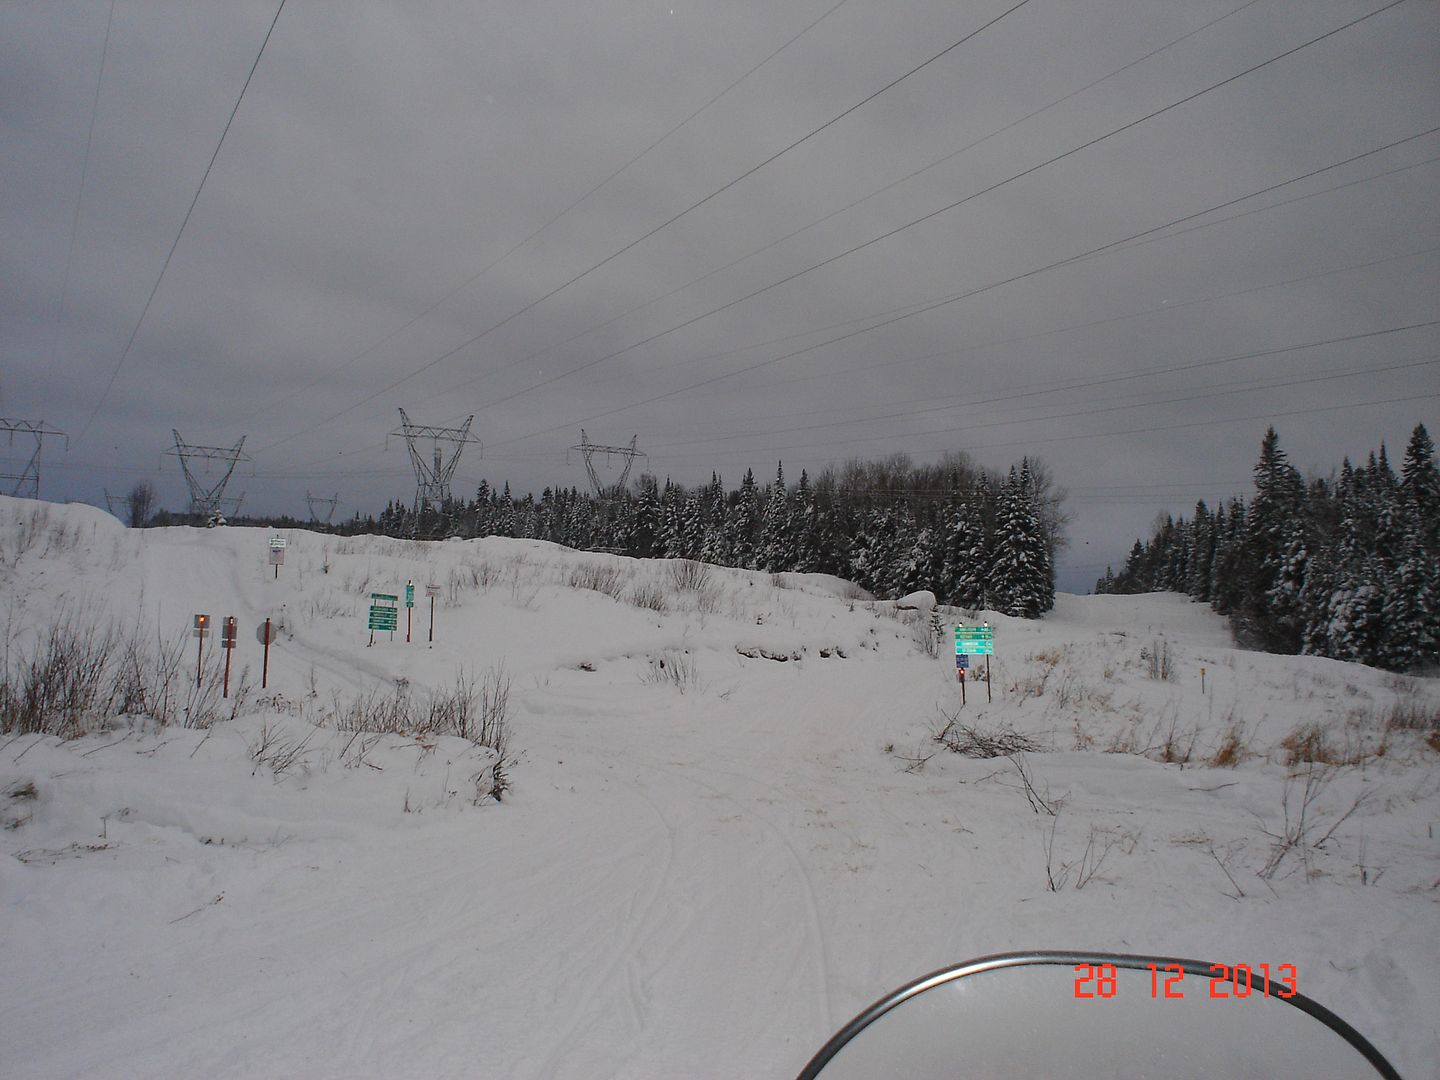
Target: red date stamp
x,y
1167,981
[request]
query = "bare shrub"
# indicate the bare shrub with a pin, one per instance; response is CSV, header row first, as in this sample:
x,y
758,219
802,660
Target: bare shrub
x,y
61,687
1311,742
1232,748
1176,746
1157,656
675,668
1412,712
688,575
976,742
476,710
1082,870
649,596
1039,797
277,752
601,577
493,781
1033,685
1298,824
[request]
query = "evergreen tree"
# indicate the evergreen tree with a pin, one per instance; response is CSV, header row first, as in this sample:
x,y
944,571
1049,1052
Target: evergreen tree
x,y
1202,554
1276,550
776,551
967,556
1021,575
744,524
715,547
671,541
643,540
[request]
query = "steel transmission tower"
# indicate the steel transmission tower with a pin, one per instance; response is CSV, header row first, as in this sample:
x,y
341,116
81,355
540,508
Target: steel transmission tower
x,y
312,501
432,478
206,501
588,450
27,481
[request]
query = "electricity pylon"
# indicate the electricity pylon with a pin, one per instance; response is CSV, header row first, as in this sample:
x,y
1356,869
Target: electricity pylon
x,y
312,501
432,478
27,481
588,450
209,501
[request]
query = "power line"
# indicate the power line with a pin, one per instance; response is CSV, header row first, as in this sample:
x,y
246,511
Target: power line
x,y
872,366
926,217
1067,414
848,206
664,224
1209,422
80,193
129,344
575,203
1104,380
1097,322
952,299
1123,244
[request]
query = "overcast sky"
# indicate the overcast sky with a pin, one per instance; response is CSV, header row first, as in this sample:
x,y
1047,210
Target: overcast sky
x,y
745,232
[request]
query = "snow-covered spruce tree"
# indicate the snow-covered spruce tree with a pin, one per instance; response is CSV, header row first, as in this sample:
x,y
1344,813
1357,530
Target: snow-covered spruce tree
x,y
776,550
714,547
1411,608
643,538
804,527
1275,553
1022,580
1227,576
1202,554
670,543
967,555
744,524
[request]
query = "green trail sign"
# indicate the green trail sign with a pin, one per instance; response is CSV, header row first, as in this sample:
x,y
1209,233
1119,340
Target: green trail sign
x,y
383,613
974,641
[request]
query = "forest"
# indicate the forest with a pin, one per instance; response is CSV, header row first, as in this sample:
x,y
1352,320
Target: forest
x,y
974,537
1346,566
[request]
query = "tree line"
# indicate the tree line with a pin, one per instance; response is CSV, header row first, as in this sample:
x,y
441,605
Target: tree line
x,y
974,537
1346,567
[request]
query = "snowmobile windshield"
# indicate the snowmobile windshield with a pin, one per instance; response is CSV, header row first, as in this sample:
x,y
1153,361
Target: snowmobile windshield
x,y
1069,1014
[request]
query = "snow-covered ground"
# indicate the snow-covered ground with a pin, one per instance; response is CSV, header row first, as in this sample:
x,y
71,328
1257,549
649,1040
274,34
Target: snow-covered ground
x,y
700,869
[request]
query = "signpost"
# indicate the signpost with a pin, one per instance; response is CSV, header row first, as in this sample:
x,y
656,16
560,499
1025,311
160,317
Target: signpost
x,y
409,603
227,640
432,590
384,615
202,627
265,636
974,641
277,554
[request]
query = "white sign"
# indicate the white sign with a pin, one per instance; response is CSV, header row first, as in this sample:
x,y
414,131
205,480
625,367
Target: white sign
x,y
277,542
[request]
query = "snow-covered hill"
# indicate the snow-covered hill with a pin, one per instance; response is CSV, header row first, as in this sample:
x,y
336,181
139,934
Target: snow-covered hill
x,y
728,824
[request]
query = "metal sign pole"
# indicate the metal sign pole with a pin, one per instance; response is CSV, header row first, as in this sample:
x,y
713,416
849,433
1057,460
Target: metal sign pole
x,y
227,639
265,666
202,622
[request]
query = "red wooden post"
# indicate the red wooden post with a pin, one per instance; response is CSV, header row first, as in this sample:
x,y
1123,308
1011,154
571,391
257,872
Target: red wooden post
x,y
265,665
